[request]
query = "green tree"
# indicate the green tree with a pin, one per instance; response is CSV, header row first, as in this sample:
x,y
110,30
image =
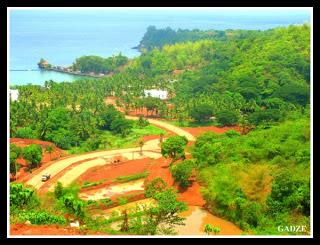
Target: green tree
x,y
293,93
155,186
33,154
174,147
15,153
49,149
121,126
21,196
162,217
227,118
141,143
265,116
59,190
182,172
201,112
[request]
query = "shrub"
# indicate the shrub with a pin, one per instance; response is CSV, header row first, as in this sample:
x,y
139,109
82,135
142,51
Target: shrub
x,y
132,177
232,133
27,133
173,147
121,126
182,172
201,113
59,190
41,218
227,118
73,205
293,93
265,116
21,196
33,154
155,186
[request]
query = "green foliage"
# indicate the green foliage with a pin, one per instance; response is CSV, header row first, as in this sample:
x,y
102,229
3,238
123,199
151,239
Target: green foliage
x,y
108,116
182,172
26,133
208,228
227,118
157,38
74,205
59,190
161,217
121,126
201,112
257,198
122,200
22,197
174,147
132,177
143,122
41,218
296,94
15,152
289,193
98,64
157,185
33,154
107,201
265,116
232,133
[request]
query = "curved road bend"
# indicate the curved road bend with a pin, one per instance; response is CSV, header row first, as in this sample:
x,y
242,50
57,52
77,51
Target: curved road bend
x,y
152,145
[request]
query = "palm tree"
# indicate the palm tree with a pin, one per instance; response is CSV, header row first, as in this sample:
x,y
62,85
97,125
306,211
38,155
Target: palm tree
x,y
141,143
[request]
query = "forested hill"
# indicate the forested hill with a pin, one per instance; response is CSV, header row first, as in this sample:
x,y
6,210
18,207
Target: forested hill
x,y
157,38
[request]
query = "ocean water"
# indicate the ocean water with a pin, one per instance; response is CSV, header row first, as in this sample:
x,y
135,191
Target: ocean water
x,y
61,35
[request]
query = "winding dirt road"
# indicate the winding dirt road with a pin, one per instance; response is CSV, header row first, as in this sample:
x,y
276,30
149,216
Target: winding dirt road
x,y
167,126
150,149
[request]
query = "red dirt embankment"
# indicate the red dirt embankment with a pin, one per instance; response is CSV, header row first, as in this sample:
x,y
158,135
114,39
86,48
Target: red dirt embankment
x,y
46,157
112,171
23,229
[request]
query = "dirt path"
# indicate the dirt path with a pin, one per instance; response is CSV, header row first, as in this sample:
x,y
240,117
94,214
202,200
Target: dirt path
x,y
135,185
168,126
74,173
64,163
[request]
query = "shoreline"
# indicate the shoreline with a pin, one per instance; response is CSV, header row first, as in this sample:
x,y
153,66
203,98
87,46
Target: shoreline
x,y
72,72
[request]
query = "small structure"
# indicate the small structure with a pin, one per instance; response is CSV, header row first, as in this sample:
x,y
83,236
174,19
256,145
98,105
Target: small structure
x,y
43,64
161,94
14,94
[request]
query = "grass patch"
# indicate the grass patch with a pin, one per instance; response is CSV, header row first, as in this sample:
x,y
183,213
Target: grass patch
x,y
88,184
109,141
192,124
132,177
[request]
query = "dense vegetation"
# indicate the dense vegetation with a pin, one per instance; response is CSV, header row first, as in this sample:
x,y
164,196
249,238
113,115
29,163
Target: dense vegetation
x,y
260,180
259,80
157,38
98,64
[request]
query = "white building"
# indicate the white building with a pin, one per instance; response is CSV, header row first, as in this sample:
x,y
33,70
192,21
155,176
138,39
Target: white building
x,y
14,94
161,94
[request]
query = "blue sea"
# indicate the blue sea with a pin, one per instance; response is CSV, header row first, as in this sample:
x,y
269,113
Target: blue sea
x,y
62,35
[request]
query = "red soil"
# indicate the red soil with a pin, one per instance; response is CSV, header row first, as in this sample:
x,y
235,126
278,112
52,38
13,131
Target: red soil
x,y
112,171
46,157
191,195
198,130
150,137
160,168
23,229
